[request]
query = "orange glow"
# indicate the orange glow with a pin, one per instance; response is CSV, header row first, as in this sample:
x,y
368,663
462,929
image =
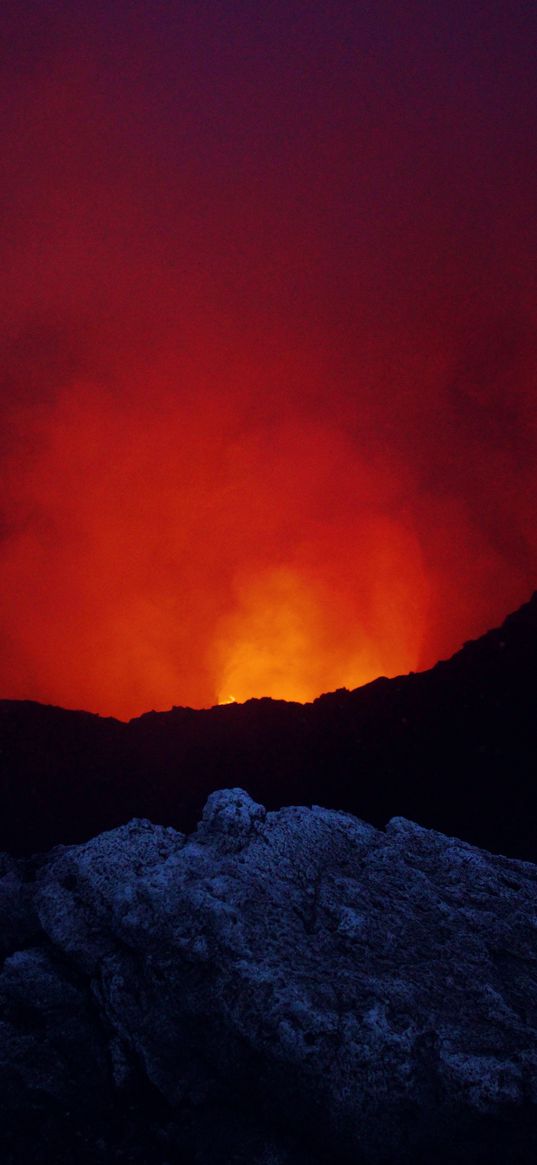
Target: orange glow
x,y
176,552
267,410
292,635
159,565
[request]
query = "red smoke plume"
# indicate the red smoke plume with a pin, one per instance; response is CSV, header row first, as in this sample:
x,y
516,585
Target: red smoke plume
x,y
268,348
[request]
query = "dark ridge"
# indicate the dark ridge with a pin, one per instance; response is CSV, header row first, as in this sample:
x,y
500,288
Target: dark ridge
x,y
452,748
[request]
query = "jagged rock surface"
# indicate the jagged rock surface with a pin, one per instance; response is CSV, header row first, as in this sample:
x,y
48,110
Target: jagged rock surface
x,y
276,989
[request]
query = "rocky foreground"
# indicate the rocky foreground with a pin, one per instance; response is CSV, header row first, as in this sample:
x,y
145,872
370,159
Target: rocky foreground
x,y
287,988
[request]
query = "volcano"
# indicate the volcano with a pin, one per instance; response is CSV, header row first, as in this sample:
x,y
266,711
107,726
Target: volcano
x,y
451,748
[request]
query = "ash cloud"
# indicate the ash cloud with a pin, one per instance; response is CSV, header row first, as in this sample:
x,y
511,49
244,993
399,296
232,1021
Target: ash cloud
x,y
268,387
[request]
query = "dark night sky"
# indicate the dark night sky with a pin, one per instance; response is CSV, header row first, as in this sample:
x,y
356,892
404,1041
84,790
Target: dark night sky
x,y
268,340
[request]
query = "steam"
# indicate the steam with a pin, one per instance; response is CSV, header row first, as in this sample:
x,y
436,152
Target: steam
x,y
268,404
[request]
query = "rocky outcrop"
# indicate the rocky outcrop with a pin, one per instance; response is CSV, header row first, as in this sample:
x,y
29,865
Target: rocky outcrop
x,y
276,989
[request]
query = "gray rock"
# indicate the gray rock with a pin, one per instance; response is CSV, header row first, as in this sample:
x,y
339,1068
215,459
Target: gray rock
x,y
20,924
290,987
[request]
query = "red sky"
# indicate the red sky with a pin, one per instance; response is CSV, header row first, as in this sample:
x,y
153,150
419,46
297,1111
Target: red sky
x,y
268,420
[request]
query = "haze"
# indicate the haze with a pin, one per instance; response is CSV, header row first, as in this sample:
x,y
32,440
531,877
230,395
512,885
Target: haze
x,y
268,344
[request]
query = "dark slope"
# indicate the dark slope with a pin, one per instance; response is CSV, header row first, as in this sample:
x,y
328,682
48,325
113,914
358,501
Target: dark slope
x,y
452,748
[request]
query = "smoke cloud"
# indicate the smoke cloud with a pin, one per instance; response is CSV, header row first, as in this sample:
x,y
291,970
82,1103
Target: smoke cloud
x,y
268,419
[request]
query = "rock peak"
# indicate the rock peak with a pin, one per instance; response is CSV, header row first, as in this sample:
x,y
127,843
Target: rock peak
x,y
293,987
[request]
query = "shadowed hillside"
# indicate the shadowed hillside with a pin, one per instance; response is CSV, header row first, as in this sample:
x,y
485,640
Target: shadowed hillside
x,y
452,748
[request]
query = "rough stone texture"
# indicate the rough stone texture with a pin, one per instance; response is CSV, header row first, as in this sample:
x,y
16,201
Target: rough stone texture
x,y
276,989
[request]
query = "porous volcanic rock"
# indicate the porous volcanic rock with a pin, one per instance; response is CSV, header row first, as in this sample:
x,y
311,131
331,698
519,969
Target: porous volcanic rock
x,y
276,989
